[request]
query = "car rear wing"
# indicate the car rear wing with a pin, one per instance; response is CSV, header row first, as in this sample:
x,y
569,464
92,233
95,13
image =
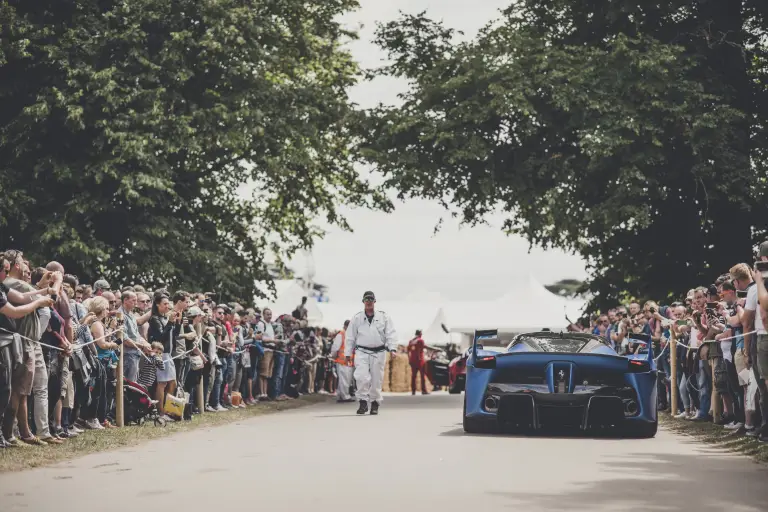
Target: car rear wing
x,y
643,339
481,335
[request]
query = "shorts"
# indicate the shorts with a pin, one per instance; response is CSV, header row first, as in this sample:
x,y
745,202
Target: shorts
x,y
24,374
740,361
265,365
168,373
68,391
762,355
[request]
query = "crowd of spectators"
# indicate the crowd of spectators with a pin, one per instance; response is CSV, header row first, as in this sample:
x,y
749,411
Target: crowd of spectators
x,y
721,326
60,342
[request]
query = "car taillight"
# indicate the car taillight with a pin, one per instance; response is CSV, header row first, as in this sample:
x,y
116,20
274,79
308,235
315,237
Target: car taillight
x,y
486,362
639,366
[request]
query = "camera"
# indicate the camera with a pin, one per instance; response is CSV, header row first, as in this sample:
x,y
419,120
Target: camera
x,y
741,294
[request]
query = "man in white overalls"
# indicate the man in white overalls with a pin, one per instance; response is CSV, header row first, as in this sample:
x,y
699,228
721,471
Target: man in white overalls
x,y
370,336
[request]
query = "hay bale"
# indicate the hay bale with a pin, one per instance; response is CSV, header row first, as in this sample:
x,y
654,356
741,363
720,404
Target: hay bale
x,y
386,384
400,382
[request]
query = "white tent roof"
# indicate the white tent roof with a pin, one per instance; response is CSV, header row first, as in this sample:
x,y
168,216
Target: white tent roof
x,y
434,334
527,306
288,295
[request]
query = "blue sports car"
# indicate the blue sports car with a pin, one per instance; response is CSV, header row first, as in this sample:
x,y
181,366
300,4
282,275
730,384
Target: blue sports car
x,y
546,380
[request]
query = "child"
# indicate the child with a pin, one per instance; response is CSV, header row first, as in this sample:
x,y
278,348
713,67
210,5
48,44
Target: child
x,y
148,367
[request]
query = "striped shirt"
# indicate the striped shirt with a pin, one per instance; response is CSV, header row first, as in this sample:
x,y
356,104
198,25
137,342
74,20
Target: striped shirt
x,y
148,370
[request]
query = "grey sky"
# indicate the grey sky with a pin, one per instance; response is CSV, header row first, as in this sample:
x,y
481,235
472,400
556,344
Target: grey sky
x,y
394,254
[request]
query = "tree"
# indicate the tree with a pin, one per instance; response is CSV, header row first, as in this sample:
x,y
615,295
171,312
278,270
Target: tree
x,y
629,132
570,288
129,130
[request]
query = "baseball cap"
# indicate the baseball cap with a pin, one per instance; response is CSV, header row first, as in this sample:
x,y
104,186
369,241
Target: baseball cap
x,y
101,284
194,311
369,295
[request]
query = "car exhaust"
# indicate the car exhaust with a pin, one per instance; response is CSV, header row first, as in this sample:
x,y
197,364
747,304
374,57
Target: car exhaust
x,y
491,403
630,407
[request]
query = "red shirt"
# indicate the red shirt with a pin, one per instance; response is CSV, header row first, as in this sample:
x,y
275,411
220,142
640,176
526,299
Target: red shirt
x,y
416,351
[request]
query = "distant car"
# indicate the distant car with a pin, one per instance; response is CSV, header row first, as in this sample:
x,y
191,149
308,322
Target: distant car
x,y
549,380
457,369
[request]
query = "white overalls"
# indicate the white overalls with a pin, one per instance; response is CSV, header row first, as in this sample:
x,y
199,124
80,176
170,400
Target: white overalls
x,y
370,340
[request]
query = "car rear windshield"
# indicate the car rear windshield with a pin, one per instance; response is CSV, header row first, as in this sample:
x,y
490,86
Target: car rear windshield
x,y
557,344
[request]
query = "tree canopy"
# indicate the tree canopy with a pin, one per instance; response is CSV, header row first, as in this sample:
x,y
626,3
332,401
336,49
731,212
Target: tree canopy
x,y
630,132
130,128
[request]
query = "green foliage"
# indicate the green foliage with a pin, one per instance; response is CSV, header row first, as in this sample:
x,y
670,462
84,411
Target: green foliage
x,y
627,132
570,288
129,127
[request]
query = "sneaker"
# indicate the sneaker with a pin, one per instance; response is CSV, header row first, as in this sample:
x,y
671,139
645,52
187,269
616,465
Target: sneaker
x,y
751,432
220,408
14,442
64,434
734,425
209,408
681,416
725,420
75,430
363,407
93,424
374,408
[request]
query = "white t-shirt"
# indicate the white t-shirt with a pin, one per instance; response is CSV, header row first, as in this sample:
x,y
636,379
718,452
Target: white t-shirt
x,y
752,305
266,329
694,340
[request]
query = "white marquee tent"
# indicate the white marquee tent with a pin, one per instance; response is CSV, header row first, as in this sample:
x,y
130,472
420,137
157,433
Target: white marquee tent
x,y
526,306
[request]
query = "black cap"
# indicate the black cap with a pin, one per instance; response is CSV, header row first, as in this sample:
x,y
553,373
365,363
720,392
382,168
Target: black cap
x,y
369,295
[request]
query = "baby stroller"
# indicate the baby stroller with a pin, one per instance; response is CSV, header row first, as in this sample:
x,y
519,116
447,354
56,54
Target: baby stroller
x,y
138,405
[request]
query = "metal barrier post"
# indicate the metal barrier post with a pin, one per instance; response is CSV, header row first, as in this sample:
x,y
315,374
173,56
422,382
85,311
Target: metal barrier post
x,y
119,392
200,397
673,370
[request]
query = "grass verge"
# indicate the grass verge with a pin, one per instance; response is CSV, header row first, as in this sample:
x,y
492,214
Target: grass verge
x,y
718,436
17,459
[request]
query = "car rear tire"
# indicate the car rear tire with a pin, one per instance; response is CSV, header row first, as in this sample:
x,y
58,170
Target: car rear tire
x,y
474,426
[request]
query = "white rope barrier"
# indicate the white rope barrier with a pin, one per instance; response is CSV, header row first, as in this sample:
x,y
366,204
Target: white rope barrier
x,y
75,346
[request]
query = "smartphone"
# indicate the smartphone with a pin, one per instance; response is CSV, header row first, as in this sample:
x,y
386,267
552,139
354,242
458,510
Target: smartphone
x,y
711,305
682,322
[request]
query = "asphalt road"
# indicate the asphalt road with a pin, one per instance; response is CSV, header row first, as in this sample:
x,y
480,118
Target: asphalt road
x,y
414,455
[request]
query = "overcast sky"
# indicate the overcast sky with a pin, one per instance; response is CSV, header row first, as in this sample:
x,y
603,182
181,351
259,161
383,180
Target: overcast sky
x,y
394,254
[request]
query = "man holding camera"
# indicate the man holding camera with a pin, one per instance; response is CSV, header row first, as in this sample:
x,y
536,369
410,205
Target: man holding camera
x,y
370,336
756,310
